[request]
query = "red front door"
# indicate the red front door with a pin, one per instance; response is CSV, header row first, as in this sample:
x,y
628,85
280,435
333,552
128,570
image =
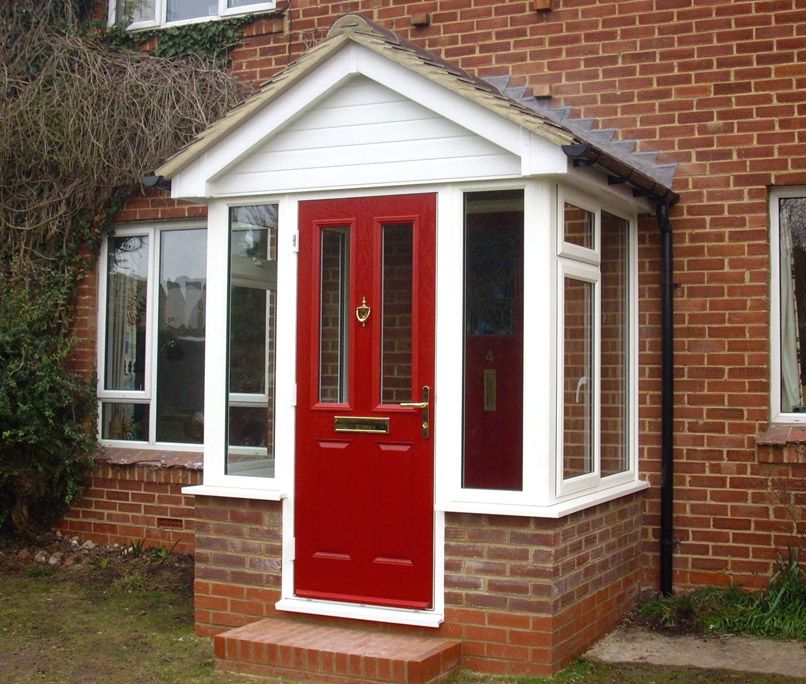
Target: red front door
x,y
364,473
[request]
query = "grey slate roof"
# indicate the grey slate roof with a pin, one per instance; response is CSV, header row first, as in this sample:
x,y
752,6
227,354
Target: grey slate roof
x,y
615,157
585,130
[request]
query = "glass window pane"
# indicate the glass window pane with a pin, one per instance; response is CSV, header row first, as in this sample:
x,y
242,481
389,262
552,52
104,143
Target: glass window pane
x,y
180,341
133,11
179,10
398,273
243,3
493,349
577,378
124,421
126,286
579,224
334,321
614,383
793,303
252,325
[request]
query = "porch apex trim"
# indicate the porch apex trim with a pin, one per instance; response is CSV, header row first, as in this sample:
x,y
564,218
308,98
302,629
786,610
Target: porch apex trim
x,y
357,29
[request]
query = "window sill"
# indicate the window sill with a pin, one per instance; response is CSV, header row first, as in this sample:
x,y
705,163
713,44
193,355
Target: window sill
x,y
235,492
782,443
557,510
153,457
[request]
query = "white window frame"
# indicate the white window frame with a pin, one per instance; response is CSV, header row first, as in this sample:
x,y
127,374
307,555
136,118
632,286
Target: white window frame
x,y
161,8
777,194
148,394
547,259
217,398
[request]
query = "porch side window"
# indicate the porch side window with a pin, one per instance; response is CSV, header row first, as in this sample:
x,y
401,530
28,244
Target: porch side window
x,y
594,341
152,360
251,341
493,340
790,207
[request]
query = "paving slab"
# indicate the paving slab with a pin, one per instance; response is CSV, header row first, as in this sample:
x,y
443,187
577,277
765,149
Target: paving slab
x,y
717,652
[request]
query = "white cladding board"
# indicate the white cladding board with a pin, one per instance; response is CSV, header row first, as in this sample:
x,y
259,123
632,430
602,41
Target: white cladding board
x,y
365,134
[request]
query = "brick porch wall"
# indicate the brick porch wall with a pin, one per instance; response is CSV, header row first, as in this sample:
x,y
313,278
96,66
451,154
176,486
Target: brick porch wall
x,y
525,595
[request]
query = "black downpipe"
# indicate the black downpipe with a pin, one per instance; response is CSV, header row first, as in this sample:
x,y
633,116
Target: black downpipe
x,y
667,401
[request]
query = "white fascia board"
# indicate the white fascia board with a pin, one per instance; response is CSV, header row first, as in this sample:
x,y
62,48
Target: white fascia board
x,y
194,180
538,155
594,183
190,183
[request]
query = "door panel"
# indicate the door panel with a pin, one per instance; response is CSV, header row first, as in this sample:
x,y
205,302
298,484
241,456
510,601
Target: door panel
x,y
364,491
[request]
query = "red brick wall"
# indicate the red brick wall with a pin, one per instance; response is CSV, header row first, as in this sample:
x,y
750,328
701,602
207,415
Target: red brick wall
x,y
718,86
525,595
127,503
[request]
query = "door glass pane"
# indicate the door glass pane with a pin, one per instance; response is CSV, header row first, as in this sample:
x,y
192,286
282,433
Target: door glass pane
x,y
793,304
124,421
178,10
577,378
614,392
493,349
127,281
252,335
396,340
180,342
579,225
333,321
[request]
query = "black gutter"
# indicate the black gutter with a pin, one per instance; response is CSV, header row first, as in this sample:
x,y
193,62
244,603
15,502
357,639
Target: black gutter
x,y
585,154
667,401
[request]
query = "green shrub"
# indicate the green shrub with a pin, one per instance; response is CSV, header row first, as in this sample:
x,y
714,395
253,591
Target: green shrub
x,y
46,442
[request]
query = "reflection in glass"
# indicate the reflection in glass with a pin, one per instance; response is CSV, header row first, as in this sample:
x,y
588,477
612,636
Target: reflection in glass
x,y
181,331
252,317
493,344
614,391
134,11
398,266
127,280
578,226
179,10
578,378
124,421
242,3
793,303
334,328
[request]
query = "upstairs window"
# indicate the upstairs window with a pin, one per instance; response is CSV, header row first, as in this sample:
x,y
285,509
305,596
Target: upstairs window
x,y
788,242
154,13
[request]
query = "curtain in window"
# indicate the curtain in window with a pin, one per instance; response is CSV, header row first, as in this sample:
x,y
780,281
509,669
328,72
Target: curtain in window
x,y
793,300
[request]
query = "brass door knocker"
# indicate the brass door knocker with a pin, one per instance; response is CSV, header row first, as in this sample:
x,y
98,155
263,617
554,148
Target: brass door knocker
x,y
362,312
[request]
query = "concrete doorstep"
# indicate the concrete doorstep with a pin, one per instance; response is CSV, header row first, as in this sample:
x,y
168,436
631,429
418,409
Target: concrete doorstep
x,y
718,652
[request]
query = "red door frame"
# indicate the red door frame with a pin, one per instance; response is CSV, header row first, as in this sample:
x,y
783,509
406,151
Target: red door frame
x,y
364,502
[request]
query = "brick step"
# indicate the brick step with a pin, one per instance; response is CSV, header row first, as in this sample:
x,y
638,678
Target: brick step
x,y
299,650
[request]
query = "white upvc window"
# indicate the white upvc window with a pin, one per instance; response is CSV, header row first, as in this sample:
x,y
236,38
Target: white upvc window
x,y
152,290
549,371
143,14
788,299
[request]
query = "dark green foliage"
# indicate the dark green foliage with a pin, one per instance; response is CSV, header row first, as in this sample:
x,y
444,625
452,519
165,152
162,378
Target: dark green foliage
x,y
46,448
778,612
209,40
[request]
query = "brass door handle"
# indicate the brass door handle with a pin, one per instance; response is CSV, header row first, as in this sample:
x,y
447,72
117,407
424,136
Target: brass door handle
x,y
424,406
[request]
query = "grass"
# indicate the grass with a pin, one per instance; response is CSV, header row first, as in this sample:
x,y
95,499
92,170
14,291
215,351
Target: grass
x,y
779,612
63,632
123,623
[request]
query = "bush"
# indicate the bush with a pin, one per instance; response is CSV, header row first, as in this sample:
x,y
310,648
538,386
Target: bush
x,y
46,444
